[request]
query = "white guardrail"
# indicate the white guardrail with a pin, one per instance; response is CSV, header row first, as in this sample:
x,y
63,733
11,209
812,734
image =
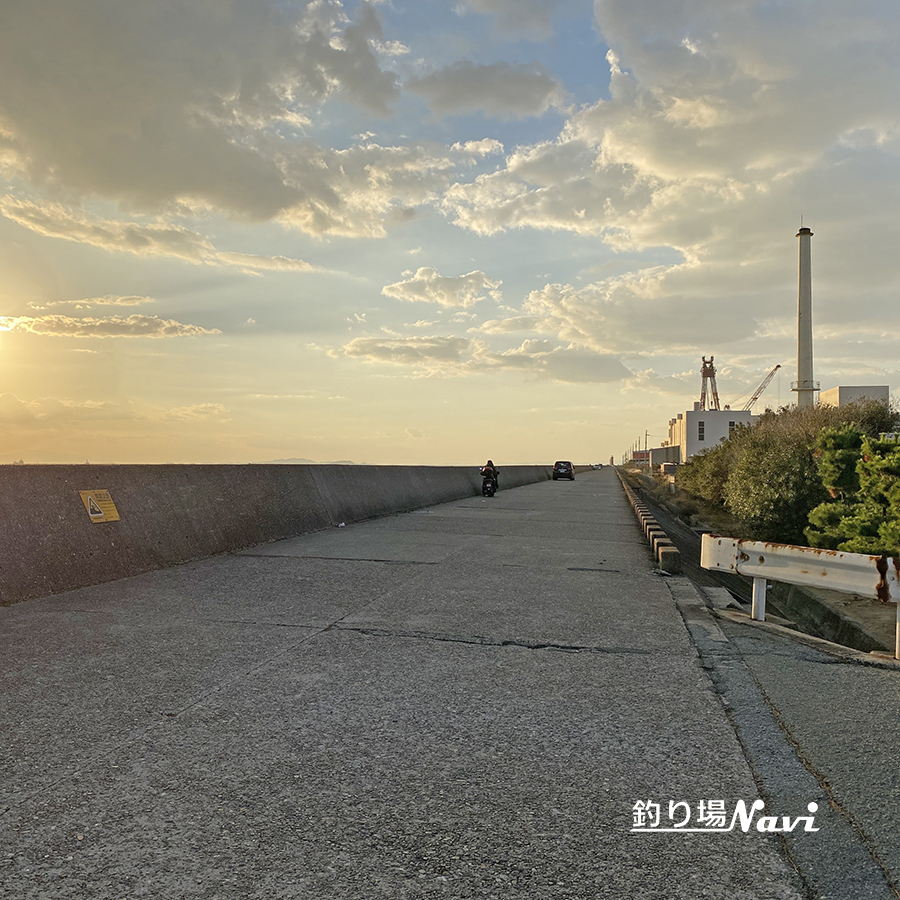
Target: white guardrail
x,y
877,577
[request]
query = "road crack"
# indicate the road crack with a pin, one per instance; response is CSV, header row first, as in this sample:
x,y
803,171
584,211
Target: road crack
x,y
482,641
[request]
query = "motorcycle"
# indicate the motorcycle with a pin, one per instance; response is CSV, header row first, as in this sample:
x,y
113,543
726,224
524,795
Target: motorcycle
x,y
488,485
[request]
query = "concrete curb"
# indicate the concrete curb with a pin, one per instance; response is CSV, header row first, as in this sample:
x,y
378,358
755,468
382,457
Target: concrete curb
x,y
878,658
667,556
841,861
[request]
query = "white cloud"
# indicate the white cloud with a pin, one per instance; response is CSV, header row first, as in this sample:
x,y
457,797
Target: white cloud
x,y
718,133
56,220
112,326
730,104
391,48
503,90
364,189
198,411
141,239
270,263
484,147
192,95
508,325
427,286
454,356
649,381
89,302
572,365
430,352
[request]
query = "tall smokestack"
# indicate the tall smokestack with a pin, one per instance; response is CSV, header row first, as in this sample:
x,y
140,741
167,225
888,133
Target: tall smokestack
x,y
805,386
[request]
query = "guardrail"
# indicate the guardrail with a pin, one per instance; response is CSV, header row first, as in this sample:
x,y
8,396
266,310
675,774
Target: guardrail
x,y
876,577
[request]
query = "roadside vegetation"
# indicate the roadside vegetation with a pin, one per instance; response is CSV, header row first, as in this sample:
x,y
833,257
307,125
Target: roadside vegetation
x,y
817,476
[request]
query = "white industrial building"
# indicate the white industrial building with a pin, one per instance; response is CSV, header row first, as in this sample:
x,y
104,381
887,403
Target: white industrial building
x,y
847,393
697,429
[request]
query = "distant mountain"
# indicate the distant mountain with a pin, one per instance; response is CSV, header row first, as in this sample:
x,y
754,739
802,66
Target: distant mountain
x,y
296,461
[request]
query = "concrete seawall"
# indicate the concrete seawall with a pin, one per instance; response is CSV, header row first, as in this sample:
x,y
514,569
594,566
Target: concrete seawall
x,y
171,514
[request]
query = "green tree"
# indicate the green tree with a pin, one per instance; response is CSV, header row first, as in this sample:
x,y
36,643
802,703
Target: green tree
x,y
874,526
706,473
837,452
773,486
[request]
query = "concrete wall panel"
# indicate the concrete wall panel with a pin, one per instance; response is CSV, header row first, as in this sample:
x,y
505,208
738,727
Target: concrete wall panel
x,y
170,514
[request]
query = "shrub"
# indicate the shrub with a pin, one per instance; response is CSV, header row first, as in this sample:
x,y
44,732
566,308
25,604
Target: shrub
x,y
866,517
774,474
773,486
706,473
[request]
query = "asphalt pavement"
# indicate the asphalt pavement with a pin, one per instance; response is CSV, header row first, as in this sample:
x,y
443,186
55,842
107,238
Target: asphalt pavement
x,y
479,699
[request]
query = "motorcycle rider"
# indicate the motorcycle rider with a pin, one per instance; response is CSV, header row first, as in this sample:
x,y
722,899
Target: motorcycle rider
x,y
491,471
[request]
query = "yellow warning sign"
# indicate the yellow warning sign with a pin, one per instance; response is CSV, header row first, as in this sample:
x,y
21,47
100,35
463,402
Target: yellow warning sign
x,y
99,506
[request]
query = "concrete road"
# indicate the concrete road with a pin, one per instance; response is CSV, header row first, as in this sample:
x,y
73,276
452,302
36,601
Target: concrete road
x,y
466,701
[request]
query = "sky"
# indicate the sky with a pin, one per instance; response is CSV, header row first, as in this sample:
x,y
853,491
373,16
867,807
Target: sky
x,y
417,232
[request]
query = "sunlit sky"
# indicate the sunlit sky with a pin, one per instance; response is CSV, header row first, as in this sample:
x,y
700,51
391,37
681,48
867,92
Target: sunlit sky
x,y
429,232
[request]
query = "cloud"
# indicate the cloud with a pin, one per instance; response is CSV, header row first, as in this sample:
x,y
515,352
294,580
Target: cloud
x,y
529,17
645,311
427,286
503,90
88,302
454,356
209,109
364,189
717,133
53,413
649,381
484,147
195,98
141,239
113,326
198,411
282,396
50,412
14,412
508,325
573,365
55,220
270,263
433,352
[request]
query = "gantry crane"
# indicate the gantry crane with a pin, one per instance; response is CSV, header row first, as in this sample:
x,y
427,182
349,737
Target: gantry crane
x,y
708,371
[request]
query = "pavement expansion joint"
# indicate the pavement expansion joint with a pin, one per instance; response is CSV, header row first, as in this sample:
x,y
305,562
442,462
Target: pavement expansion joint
x,y
481,641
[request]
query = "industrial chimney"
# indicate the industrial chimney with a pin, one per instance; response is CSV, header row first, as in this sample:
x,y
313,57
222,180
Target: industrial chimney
x,y
805,386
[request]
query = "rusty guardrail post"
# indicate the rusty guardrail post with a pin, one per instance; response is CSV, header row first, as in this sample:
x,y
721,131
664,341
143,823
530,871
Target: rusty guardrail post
x,y
872,576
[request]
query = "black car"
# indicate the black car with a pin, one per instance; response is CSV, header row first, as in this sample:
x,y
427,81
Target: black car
x,y
563,469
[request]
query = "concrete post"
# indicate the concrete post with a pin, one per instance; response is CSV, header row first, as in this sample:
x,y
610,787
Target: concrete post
x,y
758,602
